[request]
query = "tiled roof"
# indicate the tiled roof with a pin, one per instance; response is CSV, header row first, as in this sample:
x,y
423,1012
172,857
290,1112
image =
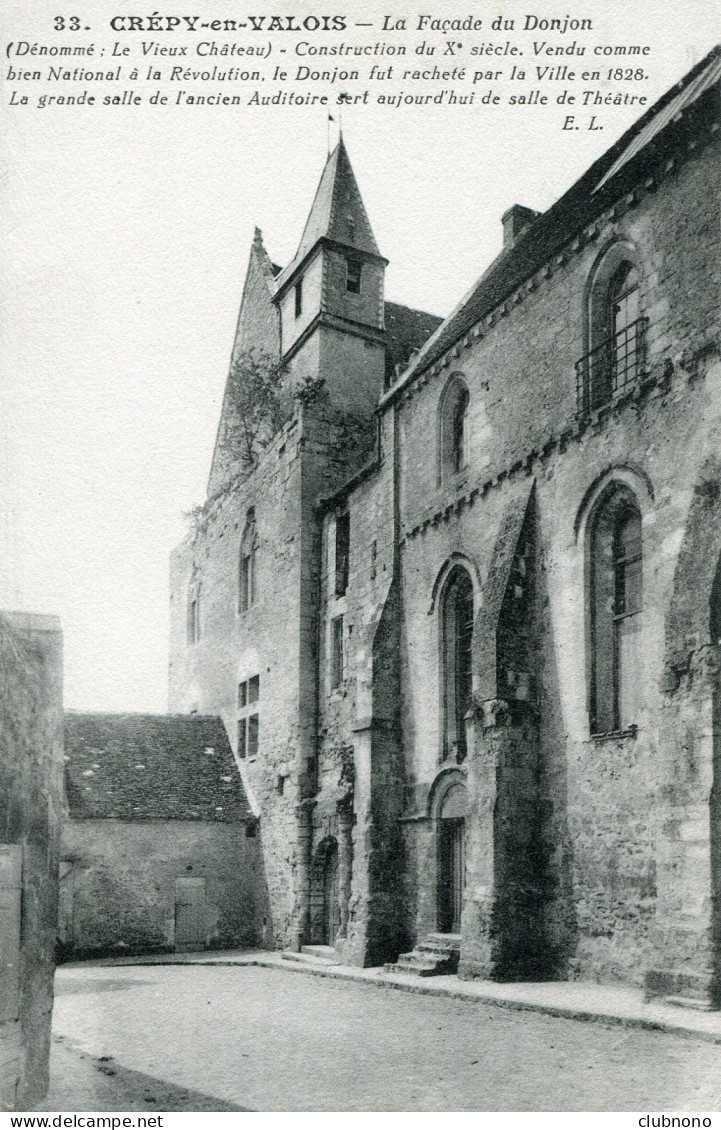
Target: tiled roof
x,y
667,125
406,330
151,767
337,213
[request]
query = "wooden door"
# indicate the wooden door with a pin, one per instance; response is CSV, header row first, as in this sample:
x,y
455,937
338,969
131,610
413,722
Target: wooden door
x,y
190,914
331,898
451,873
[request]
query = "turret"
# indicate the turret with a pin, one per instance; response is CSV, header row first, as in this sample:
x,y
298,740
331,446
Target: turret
x,y
330,296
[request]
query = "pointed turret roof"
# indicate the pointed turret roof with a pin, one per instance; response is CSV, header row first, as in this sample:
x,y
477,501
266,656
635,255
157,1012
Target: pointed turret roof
x,y
337,213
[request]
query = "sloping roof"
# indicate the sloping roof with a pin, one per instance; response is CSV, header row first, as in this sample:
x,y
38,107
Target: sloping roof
x,y
406,330
151,767
337,213
689,89
655,135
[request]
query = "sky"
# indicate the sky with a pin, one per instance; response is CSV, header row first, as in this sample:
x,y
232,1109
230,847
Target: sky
x,y
126,235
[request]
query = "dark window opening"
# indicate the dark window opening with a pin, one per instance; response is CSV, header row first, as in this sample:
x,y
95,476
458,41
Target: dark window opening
x,y
336,670
342,553
353,276
453,428
616,620
246,568
456,661
253,734
241,738
458,424
299,298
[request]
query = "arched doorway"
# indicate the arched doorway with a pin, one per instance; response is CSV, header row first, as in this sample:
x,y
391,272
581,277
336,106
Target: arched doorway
x,y
451,836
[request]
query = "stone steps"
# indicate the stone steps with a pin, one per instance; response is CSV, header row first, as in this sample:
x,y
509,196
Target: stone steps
x,y
434,956
313,955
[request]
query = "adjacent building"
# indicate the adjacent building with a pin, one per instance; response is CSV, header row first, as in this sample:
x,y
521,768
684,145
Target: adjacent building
x,y
159,850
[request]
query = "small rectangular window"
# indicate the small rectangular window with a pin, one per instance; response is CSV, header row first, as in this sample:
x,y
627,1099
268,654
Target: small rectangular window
x,y
246,587
254,689
253,732
353,276
336,667
299,298
342,553
242,694
241,738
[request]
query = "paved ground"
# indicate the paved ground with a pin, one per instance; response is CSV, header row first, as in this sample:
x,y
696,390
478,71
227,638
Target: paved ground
x,y
248,1038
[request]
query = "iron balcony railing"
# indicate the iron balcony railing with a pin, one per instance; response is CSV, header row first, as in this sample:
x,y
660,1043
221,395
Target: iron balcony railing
x,y
613,366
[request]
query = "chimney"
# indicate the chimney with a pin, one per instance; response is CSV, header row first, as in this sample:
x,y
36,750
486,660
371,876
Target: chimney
x,y
514,221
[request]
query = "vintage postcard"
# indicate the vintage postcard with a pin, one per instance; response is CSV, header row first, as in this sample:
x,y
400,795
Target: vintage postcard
x,y
360,514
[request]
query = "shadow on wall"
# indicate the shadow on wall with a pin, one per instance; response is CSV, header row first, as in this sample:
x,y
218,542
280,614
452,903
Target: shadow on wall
x,y
533,927
387,925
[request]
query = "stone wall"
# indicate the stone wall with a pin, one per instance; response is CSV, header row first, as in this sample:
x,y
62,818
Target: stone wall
x,y
262,640
119,885
31,727
571,836
604,808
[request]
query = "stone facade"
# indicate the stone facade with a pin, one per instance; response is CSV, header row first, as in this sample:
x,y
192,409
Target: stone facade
x,y
31,750
159,851
481,709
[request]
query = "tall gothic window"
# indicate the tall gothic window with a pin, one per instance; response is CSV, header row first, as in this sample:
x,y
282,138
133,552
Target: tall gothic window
x,y
453,428
246,568
456,660
616,612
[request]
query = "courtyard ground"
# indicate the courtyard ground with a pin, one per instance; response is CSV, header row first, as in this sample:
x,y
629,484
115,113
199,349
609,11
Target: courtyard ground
x,y
209,1037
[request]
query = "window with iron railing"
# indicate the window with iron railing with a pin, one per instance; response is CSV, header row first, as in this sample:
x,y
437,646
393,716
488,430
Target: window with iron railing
x,y
612,367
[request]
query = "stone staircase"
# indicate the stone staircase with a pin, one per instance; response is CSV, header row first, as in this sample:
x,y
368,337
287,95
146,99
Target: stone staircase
x,y
436,955
313,955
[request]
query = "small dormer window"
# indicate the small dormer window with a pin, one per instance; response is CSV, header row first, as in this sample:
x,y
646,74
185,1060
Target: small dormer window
x,y
353,276
299,298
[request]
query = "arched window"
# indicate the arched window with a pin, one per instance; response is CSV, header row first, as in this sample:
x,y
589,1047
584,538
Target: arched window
x,y
246,566
615,330
456,661
193,620
616,577
453,428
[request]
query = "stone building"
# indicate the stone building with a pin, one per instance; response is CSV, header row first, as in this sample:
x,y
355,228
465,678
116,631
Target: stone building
x,y
455,589
31,760
158,850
